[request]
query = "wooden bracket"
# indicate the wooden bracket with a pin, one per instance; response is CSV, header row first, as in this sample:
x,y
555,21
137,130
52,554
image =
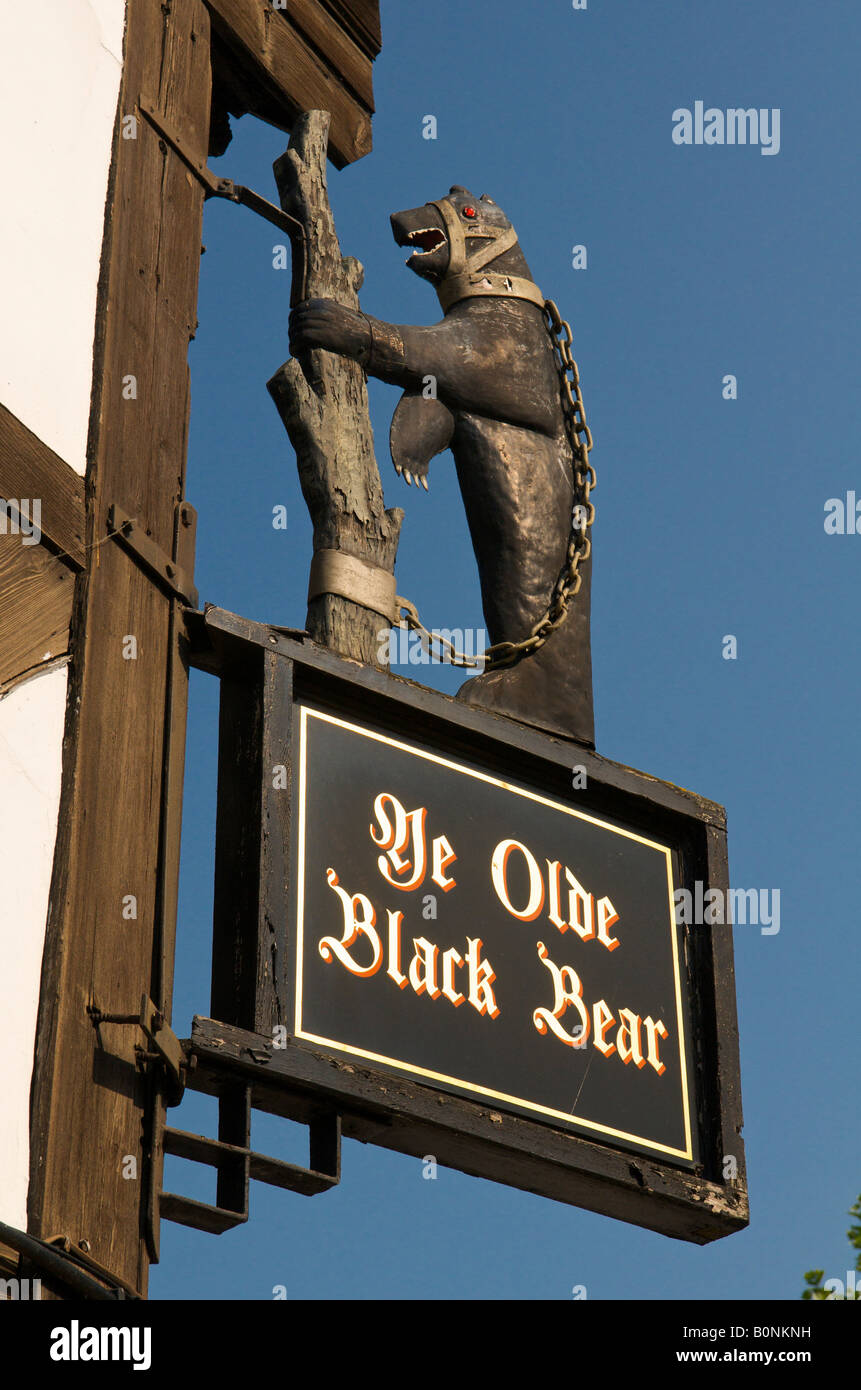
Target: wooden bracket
x,y
159,565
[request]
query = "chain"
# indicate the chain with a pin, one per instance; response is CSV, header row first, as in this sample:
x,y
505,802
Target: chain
x,y
582,512
410,618
579,545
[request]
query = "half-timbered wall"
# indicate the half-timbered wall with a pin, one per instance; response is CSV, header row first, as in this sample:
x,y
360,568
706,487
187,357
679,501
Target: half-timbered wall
x,y
62,65
110,108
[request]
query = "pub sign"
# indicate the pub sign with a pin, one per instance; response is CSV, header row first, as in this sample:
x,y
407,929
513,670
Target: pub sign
x,y
475,935
455,935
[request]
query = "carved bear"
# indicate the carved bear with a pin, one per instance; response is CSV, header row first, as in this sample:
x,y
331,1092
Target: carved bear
x,y
498,406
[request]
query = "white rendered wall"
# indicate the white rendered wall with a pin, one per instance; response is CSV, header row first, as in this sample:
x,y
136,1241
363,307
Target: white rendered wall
x,y
60,66
60,69
31,737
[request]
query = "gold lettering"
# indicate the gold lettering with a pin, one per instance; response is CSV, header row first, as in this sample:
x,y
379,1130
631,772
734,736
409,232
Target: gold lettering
x,y
423,967
498,867
652,1031
603,1018
399,831
354,927
628,1038
567,989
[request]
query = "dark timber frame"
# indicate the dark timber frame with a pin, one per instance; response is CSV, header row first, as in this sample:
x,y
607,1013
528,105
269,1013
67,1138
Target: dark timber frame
x,y
92,1101
99,1093
304,55
262,672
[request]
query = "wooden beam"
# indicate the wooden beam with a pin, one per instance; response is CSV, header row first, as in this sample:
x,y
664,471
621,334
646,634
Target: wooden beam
x,y
361,18
92,1107
252,826
28,468
36,594
333,46
280,72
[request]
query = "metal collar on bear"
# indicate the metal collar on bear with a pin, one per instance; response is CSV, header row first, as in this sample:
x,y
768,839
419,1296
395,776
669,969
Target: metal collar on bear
x,y
464,278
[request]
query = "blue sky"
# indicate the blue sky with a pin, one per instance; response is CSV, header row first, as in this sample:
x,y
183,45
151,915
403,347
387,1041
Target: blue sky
x,y
703,261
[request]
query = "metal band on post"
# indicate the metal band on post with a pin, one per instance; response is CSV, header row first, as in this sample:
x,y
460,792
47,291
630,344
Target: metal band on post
x,y
336,572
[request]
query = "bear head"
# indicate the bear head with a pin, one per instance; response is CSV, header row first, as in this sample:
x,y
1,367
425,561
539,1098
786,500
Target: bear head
x,y
425,229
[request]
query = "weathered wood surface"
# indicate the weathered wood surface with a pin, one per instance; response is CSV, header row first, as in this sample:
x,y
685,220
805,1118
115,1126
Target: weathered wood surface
x,y
185,531
36,595
28,468
283,62
91,1106
713,952
361,18
323,402
310,19
249,968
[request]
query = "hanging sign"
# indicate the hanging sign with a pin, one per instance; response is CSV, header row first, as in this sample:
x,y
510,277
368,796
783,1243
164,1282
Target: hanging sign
x,y
454,935
478,936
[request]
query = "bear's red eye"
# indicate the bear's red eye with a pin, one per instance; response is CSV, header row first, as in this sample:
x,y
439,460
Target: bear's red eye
x,y
470,212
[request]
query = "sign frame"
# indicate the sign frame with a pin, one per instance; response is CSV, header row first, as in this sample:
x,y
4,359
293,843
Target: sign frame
x,y
266,674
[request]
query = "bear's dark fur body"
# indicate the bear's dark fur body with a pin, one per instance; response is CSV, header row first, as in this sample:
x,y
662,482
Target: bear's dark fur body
x,y
498,407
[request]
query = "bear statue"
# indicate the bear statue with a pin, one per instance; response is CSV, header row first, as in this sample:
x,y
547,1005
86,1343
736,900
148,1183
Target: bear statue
x,y
496,401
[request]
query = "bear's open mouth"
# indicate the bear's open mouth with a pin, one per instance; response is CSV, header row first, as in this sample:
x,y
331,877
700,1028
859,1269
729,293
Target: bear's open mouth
x,y
428,239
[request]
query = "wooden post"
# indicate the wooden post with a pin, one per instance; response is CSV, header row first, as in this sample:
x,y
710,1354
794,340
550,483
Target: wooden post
x,y
323,402
92,1107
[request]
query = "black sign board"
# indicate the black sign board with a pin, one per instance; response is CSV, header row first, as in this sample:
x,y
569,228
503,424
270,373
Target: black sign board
x,y
476,935
456,934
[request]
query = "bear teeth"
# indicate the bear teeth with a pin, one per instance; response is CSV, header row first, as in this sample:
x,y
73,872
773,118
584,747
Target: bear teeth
x,y
428,239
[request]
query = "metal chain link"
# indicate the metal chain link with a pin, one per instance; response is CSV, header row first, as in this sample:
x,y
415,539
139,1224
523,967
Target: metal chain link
x,y
410,619
579,545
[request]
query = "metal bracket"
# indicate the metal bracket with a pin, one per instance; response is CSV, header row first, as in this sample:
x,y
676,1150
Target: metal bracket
x,y
168,132
215,186
236,1164
166,1049
238,193
132,536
